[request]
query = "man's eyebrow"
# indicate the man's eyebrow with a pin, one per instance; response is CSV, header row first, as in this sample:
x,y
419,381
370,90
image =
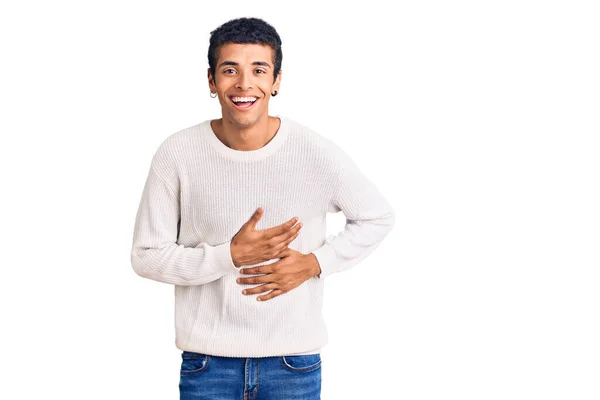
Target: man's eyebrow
x,y
261,63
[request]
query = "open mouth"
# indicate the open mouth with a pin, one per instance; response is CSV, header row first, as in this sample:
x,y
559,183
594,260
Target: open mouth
x,y
243,103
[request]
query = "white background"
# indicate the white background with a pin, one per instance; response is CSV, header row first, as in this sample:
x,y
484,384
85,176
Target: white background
x,y
478,121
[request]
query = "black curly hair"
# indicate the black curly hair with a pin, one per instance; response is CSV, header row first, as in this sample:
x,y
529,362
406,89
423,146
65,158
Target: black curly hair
x,y
245,31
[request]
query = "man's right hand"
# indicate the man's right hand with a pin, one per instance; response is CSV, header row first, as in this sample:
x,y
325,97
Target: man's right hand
x,y
250,246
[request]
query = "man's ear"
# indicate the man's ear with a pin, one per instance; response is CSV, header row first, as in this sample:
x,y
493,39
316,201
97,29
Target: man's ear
x,y
211,82
277,81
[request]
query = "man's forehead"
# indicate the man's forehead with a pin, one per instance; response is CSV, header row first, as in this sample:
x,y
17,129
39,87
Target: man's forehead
x,y
257,52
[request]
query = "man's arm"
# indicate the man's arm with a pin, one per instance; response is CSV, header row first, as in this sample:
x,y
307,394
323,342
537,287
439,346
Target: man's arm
x,y
155,253
369,218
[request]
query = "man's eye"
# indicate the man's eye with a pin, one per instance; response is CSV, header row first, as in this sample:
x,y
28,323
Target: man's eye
x,y
261,70
229,69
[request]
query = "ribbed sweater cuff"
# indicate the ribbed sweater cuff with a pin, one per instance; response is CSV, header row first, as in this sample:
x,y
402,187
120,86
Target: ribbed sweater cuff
x,y
327,258
222,257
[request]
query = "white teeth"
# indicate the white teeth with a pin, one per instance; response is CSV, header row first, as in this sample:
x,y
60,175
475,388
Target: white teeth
x,y
243,99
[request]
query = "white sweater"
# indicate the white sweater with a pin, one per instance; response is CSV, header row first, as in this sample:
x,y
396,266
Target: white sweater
x,y
199,193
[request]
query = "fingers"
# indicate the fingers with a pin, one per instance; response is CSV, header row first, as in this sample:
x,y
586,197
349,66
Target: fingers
x,y
286,241
260,289
265,285
255,218
255,280
275,291
280,229
269,296
273,287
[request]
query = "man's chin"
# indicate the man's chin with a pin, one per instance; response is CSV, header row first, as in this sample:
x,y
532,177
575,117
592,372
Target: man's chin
x,y
242,121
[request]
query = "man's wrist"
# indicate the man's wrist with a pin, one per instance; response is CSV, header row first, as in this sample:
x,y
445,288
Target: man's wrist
x,y
231,251
315,263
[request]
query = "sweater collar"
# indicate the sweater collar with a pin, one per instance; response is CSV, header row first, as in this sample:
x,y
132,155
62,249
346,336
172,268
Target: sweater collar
x,y
247,155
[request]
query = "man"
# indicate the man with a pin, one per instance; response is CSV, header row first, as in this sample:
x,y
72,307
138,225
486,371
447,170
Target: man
x,y
233,211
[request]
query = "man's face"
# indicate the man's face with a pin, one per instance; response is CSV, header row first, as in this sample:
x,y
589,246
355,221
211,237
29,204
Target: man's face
x,y
244,82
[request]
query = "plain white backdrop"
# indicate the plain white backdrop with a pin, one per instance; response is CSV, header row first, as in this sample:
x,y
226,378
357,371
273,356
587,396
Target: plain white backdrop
x,y
479,121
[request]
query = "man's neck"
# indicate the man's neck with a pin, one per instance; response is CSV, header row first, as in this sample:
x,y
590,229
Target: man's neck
x,y
246,139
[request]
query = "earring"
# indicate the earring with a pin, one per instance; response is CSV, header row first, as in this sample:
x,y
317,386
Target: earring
x,y
211,95
274,94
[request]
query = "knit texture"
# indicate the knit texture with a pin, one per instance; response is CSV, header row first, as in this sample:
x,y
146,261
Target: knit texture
x,y
197,196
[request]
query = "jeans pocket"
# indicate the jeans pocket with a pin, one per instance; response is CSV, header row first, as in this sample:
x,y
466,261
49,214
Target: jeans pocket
x,y
302,363
193,363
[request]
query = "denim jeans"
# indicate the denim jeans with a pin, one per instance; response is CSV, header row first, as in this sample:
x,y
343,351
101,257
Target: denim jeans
x,y
208,377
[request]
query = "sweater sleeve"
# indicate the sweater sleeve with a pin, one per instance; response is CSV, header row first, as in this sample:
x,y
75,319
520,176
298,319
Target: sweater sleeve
x,y
155,253
369,218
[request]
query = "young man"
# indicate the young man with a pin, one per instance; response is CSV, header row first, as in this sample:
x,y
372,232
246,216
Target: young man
x,y
233,211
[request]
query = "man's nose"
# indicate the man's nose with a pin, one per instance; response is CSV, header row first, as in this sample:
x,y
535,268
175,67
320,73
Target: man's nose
x,y
244,81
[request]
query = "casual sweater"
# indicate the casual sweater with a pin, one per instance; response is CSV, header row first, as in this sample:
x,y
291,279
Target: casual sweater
x,y
199,193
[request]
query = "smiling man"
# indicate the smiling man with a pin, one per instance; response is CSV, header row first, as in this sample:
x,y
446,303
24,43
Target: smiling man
x,y
233,215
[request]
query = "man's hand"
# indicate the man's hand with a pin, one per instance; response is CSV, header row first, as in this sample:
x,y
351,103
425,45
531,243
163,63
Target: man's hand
x,y
282,276
251,246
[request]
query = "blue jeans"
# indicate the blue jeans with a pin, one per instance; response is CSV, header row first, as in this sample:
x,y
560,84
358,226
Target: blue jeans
x,y
207,377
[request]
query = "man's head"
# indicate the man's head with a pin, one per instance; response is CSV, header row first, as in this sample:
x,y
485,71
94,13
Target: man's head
x,y
245,31
244,58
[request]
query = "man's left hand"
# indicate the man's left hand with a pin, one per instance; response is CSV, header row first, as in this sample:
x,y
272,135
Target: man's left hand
x,y
281,276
